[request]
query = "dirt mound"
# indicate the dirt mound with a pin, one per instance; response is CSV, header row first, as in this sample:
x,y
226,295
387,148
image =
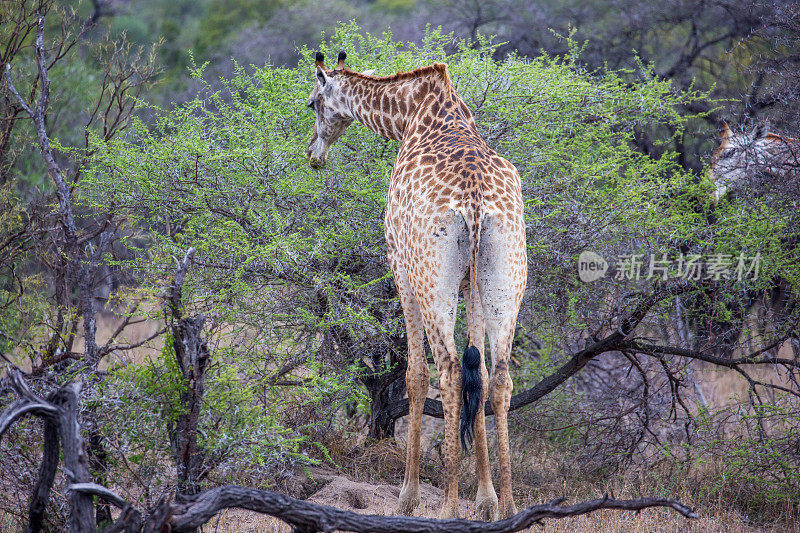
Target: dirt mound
x,y
338,491
367,498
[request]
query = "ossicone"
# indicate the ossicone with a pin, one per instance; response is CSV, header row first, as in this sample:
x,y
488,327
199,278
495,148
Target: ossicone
x,y
726,131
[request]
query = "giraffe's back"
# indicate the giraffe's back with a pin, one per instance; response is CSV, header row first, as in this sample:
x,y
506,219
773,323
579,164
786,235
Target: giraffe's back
x,y
453,170
446,185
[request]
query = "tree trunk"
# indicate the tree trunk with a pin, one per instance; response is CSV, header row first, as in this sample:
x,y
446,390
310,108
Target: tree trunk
x,y
81,519
192,354
385,388
98,463
382,397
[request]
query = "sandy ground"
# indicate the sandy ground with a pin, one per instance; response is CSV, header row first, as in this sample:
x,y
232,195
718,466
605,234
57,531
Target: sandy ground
x,y
366,498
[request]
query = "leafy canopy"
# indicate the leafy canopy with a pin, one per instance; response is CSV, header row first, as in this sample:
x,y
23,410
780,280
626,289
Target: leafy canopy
x,y
292,260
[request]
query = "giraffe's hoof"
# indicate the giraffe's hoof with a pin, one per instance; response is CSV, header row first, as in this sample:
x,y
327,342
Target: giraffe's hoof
x,y
449,510
409,500
507,509
487,507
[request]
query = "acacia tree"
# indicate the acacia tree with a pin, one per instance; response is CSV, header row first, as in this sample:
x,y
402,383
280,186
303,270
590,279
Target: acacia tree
x,y
295,257
290,262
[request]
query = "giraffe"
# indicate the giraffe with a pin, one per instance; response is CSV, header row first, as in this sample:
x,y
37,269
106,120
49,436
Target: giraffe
x,y
739,156
454,223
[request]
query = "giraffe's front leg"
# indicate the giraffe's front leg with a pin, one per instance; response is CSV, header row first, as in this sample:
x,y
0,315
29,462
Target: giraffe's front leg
x,y
417,378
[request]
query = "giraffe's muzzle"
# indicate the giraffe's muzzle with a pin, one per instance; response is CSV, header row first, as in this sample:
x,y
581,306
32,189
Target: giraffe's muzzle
x,y
316,162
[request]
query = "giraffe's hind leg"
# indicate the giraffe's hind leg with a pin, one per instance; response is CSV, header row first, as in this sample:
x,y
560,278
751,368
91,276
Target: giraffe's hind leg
x,y
417,378
440,336
443,264
502,273
486,497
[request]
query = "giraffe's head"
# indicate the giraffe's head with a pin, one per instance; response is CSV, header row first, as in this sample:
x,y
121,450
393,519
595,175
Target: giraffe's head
x,y
735,157
333,114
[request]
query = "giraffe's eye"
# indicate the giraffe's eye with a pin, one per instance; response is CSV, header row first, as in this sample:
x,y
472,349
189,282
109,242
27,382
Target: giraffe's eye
x,y
727,153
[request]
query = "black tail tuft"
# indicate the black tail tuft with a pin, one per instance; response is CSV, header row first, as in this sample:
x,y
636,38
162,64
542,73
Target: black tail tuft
x,y
470,393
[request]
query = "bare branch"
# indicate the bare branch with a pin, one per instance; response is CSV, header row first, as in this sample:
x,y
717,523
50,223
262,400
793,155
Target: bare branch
x,y
195,511
721,361
99,490
28,402
21,408
129,521
107,349
10,85
38,115
122,325
183,268
574,364
176,289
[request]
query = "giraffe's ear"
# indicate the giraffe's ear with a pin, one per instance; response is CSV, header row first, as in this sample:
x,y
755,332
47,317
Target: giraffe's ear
x,y
760,131
369,72
321,76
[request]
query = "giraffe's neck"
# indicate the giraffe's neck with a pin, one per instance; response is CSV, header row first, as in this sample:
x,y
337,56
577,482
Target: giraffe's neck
x,y
389,107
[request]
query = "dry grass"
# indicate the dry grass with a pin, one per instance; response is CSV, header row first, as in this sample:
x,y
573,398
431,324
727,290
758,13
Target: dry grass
x,y
540,475
368,476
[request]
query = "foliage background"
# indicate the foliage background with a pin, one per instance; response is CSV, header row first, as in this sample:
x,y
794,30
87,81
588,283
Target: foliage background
x,y
291,268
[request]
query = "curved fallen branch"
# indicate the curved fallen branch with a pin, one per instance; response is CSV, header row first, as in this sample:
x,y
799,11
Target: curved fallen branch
x,y
98,490
130,519
188,513
194,511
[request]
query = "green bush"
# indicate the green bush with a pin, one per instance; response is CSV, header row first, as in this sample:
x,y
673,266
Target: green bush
x,y
294,259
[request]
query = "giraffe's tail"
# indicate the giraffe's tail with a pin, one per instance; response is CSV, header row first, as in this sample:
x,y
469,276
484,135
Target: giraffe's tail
x,y
470,393
471,386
